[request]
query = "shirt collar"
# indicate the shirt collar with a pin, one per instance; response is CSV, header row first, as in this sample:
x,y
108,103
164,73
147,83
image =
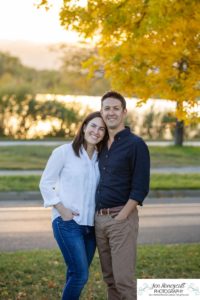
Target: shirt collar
x,y
84,153
126,131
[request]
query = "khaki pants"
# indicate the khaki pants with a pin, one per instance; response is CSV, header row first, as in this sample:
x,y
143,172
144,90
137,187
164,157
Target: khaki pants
x,y
117,242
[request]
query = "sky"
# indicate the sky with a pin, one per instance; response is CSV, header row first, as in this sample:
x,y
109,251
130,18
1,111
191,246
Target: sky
x,y
21,20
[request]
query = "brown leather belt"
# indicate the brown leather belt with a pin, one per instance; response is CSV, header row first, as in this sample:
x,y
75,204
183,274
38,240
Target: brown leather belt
x,y
108,211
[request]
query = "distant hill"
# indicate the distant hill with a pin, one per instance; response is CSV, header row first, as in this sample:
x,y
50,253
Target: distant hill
x,y
38,56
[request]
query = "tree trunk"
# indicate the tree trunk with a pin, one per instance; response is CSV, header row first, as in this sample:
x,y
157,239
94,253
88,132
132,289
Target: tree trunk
x,y
179,132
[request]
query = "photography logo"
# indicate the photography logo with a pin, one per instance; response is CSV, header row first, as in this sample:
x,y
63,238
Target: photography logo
x,y
168,289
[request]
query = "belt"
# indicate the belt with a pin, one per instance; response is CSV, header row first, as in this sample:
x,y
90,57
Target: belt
x,y
109,211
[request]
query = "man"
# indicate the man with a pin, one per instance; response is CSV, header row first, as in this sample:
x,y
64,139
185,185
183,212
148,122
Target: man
x,y
124,183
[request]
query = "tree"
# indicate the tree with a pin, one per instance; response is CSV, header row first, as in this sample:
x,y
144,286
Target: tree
x,y
20,111
74,78
71,78
148,48
14,73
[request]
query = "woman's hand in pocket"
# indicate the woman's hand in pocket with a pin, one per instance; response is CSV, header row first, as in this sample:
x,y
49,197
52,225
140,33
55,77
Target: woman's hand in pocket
x,y
66,213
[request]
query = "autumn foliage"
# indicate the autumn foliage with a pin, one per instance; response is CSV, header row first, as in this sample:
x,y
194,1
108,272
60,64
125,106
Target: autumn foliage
x,y
147,48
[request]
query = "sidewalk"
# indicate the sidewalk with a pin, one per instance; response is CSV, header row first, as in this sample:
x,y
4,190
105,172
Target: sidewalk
x,y
170,170
31,203
155,195
56,143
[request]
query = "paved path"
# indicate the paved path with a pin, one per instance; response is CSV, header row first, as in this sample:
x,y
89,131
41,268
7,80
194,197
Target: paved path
x,y
55,143
29,227
20,172
176,170
167,170
159,195
30,143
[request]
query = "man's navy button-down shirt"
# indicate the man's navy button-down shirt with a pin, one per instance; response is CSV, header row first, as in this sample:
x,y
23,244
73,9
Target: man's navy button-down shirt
x,y
124,171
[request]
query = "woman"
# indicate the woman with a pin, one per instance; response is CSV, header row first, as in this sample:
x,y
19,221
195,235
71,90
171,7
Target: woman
x,y
68,184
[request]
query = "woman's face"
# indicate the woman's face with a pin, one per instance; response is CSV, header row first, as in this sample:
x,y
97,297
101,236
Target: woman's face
x,y
94,131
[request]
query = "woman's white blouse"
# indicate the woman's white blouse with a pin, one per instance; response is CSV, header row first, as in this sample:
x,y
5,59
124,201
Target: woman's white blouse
x,y
71,180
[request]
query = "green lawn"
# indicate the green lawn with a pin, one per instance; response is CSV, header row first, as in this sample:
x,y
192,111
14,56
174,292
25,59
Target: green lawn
x,y
174,181
40,274
35,157
172,156
24,157
19,183
158,182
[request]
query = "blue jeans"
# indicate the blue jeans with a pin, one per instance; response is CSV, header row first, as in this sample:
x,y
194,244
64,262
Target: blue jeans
x,y
77,244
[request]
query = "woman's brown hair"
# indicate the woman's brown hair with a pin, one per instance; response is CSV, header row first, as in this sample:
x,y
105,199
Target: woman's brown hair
x,y
79,138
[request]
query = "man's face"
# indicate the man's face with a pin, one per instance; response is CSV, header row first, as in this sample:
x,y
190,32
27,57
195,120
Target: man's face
x,y
113,113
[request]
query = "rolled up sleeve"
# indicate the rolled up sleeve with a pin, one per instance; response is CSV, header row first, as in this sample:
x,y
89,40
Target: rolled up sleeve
x,y
141,173
50,177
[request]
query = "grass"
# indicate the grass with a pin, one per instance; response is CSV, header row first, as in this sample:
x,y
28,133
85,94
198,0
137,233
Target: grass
x,y
19,183
172,156
35,157
40,274
175,181
24,157
158,182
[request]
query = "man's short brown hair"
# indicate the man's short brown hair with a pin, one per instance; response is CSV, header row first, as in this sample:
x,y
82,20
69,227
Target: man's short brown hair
x,y
115,95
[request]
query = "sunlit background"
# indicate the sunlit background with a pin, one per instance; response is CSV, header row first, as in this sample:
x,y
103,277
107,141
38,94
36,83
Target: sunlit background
x,y
30,34
21,20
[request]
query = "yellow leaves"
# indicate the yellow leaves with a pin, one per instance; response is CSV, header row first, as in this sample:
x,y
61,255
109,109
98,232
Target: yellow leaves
x,y
141,45
183,75
186,52
92,65
44,3
181,115
188,110
141,101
